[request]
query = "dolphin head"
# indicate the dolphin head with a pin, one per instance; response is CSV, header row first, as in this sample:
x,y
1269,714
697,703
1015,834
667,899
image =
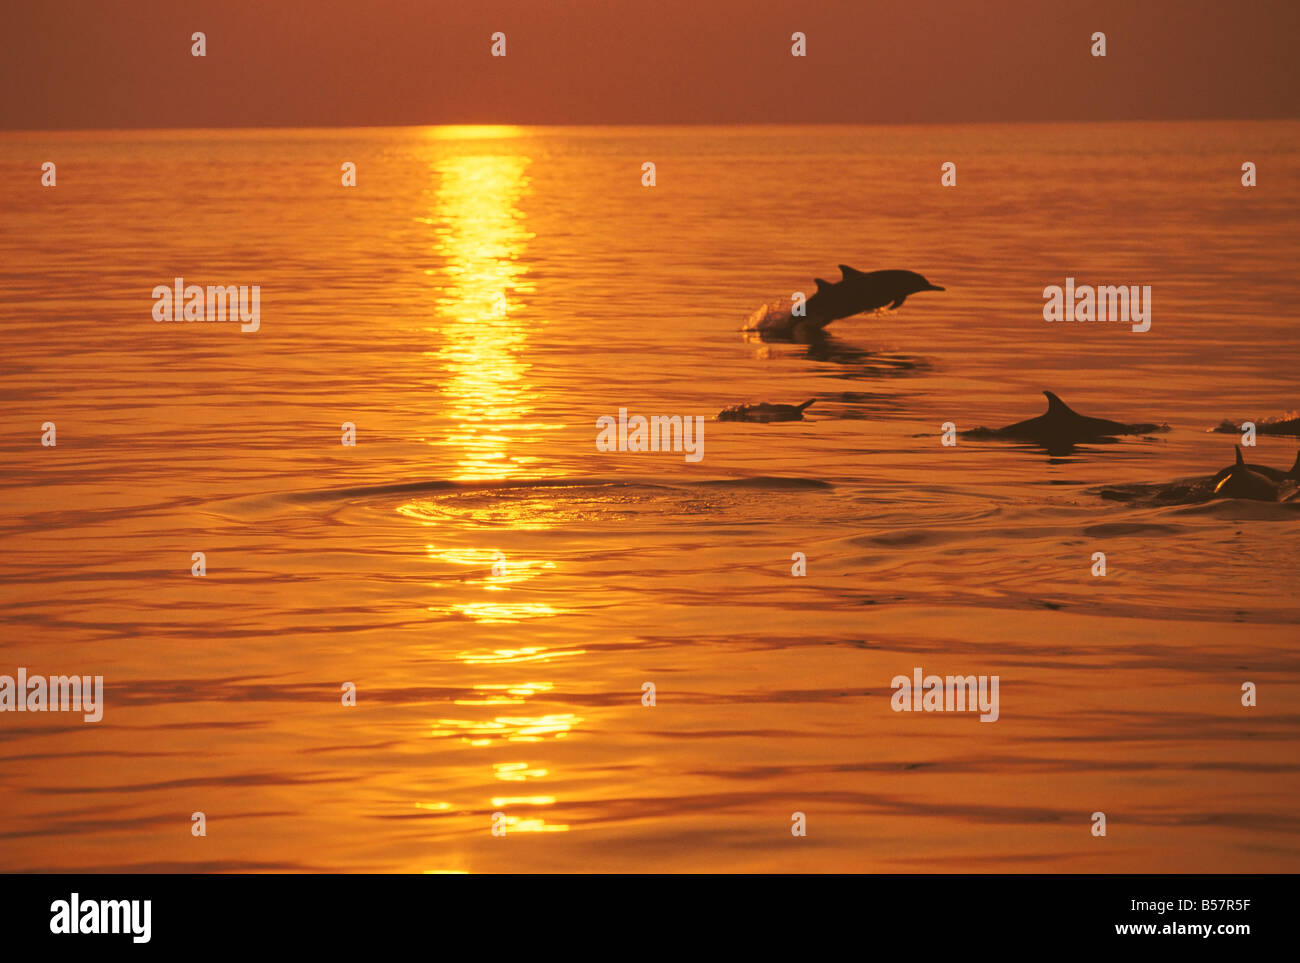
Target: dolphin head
x,y
923,285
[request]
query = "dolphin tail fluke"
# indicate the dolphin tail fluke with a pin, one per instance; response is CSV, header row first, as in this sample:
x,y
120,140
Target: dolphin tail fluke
x,y
1240,460
822,284
805,405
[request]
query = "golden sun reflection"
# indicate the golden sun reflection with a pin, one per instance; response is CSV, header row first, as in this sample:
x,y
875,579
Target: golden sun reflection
x,y
477,732
502,571
494,695
480,232
482,326
490,612
502,575
523,800
518,824
530,653
517,771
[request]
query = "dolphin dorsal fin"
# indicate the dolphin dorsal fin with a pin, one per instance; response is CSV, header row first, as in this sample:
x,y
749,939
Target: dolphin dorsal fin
x,y
1240,460
849,272
1295,469
1055,406
822,285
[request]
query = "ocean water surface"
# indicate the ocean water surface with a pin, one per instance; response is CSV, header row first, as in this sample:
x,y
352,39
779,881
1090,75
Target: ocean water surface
x,y
498,590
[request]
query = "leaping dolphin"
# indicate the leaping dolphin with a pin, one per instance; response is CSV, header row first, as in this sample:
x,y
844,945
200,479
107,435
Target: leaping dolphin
x,y
1239,481
860,291
1060,428
856,292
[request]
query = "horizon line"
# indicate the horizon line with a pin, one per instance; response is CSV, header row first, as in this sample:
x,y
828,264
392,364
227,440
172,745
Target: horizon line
x,y
617,124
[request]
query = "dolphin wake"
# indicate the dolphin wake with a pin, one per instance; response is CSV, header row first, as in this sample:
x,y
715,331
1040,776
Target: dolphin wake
x,y
432,486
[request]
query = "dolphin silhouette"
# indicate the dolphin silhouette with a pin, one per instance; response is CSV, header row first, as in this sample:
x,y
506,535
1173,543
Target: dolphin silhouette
x,y
764,412
1060,428
859,291
1239,481
855,292
1272,474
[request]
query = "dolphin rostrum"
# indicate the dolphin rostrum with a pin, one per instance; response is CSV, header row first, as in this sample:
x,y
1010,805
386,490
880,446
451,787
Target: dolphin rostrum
x,y
1239,481
856,292
764,412
1061,428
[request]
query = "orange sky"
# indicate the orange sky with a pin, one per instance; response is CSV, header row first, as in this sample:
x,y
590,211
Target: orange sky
x,y
324,62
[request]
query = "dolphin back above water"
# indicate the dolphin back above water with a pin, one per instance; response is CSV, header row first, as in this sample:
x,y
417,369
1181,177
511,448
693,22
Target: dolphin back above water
x,y
764,412
1245,481
1061,428
1240,480
856,292
1272,474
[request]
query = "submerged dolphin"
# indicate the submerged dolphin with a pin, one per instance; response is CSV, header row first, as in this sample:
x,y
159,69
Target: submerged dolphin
x,y
1061,428
1282,426
856,292
1239,481
764,412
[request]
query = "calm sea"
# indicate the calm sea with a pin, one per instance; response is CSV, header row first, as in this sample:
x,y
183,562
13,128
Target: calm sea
x,y
498,591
